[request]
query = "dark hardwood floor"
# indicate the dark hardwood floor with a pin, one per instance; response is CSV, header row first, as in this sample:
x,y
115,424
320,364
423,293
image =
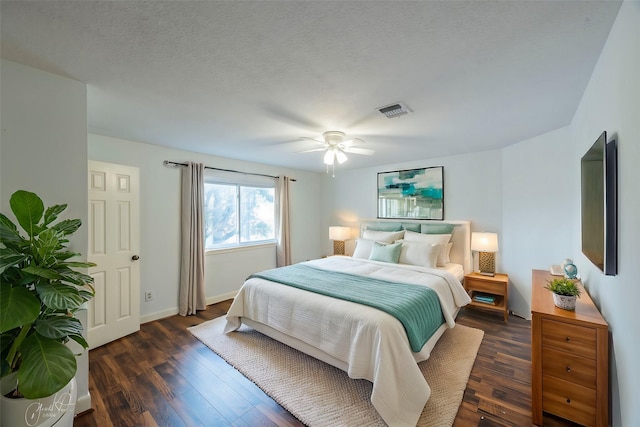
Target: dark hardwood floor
x,y
163,376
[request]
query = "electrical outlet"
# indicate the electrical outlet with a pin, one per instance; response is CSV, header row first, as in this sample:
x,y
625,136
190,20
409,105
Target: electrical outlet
x,y
148,296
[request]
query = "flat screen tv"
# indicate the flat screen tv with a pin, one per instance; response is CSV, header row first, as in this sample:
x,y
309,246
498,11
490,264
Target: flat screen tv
x,y
599,194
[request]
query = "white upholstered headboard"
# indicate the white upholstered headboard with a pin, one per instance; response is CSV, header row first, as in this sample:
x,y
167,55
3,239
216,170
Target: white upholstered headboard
x,y
461,238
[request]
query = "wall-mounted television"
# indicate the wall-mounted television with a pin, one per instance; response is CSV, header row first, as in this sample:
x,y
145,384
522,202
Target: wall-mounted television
x,y
599,199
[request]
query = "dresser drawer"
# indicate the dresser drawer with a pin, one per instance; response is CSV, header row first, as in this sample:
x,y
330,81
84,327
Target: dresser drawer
x,y
567,400
569,367
579,340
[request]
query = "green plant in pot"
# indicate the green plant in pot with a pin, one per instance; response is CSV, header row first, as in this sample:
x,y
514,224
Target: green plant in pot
x,y
40,293
565,292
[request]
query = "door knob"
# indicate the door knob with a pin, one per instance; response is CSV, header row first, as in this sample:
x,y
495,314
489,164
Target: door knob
x,y
135,257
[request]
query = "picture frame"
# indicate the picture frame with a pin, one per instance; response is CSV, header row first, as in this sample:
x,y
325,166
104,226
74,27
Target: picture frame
x,y
412,193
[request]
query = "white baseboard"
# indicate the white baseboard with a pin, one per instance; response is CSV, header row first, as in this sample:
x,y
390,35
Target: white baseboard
x,y
174,310
83,403
220,298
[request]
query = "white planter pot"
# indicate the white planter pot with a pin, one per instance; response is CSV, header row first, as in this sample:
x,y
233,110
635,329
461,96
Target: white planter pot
x,y
565,301
55,410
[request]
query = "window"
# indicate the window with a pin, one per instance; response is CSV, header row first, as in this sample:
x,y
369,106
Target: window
x,y
237,214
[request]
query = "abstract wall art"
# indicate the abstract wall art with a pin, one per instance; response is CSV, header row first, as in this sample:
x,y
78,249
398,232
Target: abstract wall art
x,y
412,193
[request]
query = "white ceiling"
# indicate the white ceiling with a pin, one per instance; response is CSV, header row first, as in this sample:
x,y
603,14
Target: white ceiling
x,y
245,80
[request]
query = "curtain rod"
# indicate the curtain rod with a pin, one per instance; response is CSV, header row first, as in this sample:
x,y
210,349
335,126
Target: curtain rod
x,y
167,162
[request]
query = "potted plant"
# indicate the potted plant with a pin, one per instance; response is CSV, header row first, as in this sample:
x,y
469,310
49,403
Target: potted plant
x,y
565,291
40,292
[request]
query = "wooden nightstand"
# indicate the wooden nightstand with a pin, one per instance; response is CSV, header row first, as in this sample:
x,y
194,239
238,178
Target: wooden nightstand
x,y
496,287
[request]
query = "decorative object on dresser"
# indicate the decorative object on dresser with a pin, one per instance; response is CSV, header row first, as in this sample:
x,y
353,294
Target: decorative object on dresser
x,y
413,193
339,234
565,292
486,244
569,358
488,292
569,269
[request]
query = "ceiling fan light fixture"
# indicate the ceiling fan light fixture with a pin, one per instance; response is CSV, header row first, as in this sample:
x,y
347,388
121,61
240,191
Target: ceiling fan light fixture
x,y
341,156
328,157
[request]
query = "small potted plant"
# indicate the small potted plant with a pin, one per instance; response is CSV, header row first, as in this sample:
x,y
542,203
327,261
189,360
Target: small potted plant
x,y
565,291
40,292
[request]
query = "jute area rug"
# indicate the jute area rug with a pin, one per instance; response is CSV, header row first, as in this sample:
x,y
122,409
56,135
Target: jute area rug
x,y
320,395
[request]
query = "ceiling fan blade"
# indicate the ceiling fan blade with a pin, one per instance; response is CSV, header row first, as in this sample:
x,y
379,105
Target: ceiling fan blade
x,y
352,141
355,150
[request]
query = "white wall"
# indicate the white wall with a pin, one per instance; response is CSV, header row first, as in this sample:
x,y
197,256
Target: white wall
x,y
44,150
225,271
539,194
472,191
611,102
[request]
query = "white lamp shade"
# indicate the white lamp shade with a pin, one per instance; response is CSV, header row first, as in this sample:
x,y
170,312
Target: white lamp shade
x,y
328,157
484,242
339,233
341,156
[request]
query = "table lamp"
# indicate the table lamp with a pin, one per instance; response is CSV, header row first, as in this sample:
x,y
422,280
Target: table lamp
x,y
339,234
486,244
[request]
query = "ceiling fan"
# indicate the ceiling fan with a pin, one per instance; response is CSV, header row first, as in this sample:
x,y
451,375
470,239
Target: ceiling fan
x,y
336,144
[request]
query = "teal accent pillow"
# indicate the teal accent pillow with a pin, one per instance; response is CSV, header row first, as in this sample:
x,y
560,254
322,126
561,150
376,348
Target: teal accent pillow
x,y
386,253
385,226
437,228
411,227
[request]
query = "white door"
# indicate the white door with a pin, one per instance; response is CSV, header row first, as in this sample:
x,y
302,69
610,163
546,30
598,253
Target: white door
x,y
114,244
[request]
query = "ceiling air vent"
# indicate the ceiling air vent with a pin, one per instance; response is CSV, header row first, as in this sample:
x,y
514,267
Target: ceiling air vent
x,y
394,110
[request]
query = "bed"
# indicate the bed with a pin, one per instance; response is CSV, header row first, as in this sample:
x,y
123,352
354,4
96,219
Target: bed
x,y
366,341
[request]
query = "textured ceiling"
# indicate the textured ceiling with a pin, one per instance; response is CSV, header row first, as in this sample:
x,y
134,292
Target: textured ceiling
x,y
246,79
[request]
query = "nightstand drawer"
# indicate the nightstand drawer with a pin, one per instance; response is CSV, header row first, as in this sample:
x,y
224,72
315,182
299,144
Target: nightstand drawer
x,y
570,401
484,286
568,367
574,339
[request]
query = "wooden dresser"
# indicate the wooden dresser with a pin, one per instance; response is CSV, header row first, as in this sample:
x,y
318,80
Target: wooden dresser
x,y
570,358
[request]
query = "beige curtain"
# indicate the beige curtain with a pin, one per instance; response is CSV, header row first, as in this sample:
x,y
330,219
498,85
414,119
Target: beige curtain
x,y
283,249
192,291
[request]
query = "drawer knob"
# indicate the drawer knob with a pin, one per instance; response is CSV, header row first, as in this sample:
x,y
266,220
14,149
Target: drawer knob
x,y
568,368
568,400
568,339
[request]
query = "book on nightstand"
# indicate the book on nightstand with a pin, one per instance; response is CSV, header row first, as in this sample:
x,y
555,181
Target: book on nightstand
x,y
484,298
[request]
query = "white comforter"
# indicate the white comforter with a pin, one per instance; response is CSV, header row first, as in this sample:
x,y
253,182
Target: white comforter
x,y
372,344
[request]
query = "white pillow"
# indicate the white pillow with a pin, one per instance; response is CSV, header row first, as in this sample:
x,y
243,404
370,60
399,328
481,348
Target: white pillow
x,y
382,236
444,254
442,240
416,253
363,248
412,236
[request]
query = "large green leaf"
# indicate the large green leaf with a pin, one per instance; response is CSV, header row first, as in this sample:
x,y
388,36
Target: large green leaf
x,y
52,212
75,277
80,340
67,226
78,264
58,296
18,307
57,327
8,230
46,273
9,258
28,209
47,243
47,366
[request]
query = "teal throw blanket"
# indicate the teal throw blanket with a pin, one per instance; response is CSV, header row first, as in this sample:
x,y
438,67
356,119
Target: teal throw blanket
x,y
416,307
